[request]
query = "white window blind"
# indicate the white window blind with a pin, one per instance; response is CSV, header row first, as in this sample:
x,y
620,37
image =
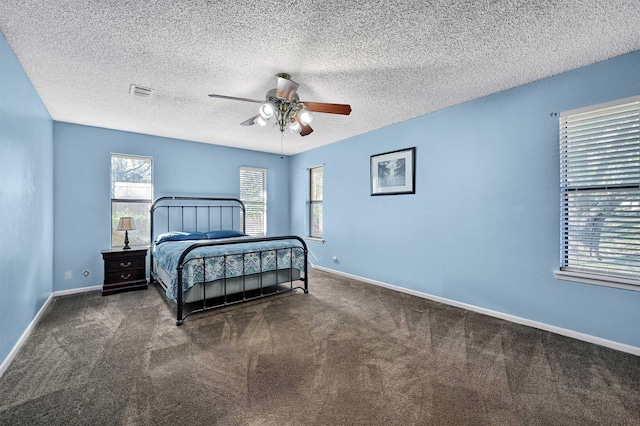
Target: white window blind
x,y
253,193
600,190
315,202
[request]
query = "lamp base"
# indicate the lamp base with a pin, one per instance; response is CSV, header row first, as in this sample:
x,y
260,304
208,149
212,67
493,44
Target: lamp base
x,y
126,241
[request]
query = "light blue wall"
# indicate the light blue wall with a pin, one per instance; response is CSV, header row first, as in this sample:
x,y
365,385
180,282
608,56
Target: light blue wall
x,y
483,227
26,201
82,188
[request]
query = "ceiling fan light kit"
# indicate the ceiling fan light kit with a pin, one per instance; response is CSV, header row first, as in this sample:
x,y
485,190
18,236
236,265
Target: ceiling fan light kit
x,y
284,105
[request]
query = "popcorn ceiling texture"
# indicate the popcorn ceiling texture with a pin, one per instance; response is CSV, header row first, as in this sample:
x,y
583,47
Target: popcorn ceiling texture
x,y
390,60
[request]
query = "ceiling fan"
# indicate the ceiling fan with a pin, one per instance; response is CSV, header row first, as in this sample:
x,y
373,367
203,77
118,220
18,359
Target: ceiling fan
x,y
284,105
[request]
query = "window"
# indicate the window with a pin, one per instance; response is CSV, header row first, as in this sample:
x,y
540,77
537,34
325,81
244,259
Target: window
x,y
131,195
253,193
315,202
600,193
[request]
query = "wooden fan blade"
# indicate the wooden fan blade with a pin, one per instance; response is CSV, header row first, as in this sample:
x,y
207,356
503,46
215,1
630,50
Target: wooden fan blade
x,y
328,108
286,88
251,121
305,129
233,98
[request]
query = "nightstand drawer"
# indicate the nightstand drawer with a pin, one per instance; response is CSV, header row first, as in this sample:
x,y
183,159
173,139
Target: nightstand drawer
x,y
125,275
123,264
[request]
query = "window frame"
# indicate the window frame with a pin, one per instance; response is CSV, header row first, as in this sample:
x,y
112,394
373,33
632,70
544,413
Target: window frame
x,y
587,185
147,238
313,202
251,203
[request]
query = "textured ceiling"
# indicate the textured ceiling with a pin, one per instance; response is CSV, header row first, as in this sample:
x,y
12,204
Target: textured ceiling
x,y
390,60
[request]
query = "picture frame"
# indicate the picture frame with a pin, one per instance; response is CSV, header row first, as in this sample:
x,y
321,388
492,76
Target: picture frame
x,y
394,173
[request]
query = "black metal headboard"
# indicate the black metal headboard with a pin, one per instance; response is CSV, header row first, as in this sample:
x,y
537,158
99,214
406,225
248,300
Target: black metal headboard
x,y
197,214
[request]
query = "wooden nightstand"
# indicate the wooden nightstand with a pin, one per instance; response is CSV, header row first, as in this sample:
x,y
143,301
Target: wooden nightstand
x,y
124,270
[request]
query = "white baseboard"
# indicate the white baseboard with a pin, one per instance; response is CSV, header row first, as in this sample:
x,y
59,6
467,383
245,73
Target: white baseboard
x,y
512,318
27,332
25,335
76,290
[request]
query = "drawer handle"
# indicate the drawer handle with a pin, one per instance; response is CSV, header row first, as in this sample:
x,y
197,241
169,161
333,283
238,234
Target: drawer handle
x,y
125,277
125,265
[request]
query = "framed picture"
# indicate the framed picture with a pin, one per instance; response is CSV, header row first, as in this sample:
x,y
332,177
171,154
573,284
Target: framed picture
x,y
394,173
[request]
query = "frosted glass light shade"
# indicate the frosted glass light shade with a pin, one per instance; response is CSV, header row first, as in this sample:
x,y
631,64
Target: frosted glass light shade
x,y
294,127
266,110
260,121
306,117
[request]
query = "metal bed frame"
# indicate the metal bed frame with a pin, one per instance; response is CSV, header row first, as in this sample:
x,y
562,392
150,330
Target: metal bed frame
x,y
230,214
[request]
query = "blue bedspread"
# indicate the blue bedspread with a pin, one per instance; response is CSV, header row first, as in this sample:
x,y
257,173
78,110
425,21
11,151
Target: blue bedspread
x,y
241,259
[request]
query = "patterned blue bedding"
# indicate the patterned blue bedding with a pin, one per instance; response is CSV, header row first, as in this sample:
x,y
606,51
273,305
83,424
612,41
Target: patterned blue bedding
x,y
258,257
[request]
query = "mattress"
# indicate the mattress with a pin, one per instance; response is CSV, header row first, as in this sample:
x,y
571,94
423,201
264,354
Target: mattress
x,y
214,263
234,285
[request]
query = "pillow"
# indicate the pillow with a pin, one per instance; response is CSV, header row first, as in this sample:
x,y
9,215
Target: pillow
x,y
180,236
224,233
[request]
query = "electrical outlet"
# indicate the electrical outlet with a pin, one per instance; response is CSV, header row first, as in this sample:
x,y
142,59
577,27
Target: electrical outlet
x,y
68,275
335,259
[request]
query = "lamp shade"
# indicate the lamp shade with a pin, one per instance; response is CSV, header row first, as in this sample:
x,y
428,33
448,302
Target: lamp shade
x,y
126,224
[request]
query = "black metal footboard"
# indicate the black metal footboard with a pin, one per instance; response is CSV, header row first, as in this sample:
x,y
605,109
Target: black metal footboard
x,y
265,283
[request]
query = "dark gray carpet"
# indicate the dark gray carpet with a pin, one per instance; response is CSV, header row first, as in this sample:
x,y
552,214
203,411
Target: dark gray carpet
x,y
347,353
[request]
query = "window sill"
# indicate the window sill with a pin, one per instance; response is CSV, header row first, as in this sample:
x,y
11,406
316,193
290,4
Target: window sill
x,y
581,277
314,240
